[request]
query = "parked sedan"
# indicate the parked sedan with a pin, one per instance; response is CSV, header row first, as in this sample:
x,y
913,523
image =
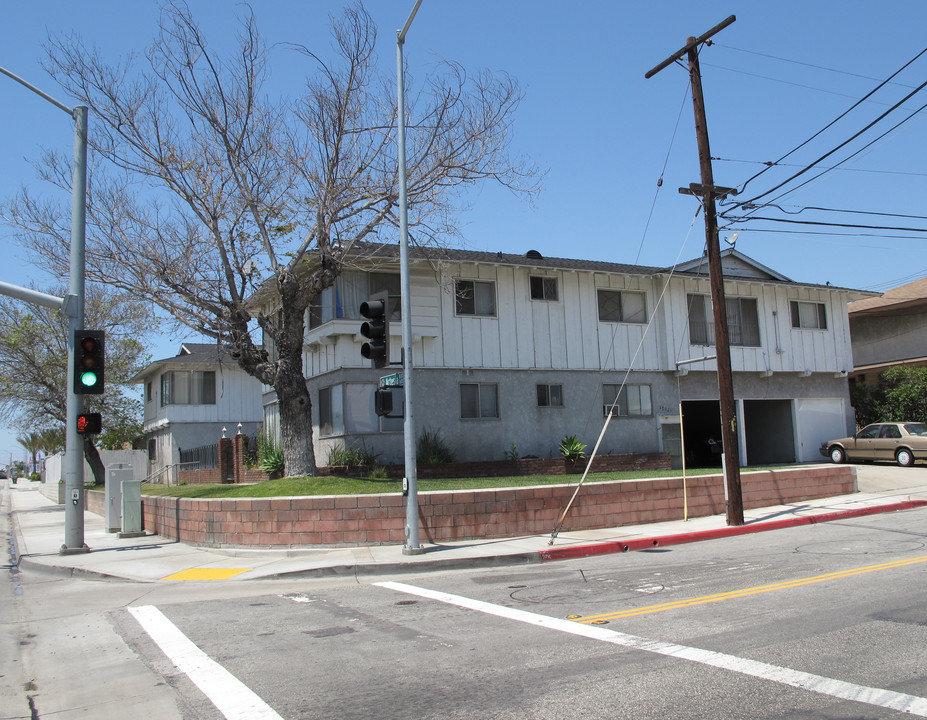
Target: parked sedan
x,y
903,442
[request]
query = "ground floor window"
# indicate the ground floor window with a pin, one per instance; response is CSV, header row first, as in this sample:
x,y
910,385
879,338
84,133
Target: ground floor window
x,y
632,400
479,400
550,395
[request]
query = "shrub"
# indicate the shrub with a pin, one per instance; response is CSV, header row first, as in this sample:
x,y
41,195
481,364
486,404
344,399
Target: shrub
x,y
432,448
351,457
270,455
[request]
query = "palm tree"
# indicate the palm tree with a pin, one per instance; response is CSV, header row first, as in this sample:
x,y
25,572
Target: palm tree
x,y
33,442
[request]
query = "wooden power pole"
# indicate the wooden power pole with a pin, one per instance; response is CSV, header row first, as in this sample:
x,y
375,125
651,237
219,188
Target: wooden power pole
x,y
708,192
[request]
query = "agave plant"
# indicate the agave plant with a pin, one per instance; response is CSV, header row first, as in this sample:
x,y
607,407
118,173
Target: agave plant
x,y
572,449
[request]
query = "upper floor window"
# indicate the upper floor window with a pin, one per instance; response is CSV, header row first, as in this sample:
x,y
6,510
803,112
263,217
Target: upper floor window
x,y
543,288
188,387
743,325
550,395
351,288
479,400
622,306
808,315
631,399
475,297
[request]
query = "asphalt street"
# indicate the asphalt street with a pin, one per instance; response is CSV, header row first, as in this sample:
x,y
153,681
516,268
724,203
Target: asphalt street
x,y
822,620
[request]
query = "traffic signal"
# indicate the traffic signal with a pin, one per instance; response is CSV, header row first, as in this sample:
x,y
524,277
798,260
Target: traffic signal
x,y
383,401
88,362
376,330
89,424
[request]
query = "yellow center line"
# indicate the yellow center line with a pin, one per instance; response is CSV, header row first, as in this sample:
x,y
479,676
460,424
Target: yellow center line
x,y
589,619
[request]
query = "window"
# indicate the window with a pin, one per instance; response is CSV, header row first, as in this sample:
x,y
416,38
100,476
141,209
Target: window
x,y
743,325
632,400
331,410
389,282
550,395
478,400
622,306
475,298
808,315
148,391
543,288
179,387
343,299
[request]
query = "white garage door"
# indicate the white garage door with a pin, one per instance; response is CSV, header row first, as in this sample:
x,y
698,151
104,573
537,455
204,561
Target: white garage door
x,y
817,421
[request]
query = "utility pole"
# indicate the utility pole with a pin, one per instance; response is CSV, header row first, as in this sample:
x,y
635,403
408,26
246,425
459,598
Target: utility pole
x,y
708,192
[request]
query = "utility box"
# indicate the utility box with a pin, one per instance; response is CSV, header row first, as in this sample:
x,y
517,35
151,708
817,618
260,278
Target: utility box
x,y
131,508
115,475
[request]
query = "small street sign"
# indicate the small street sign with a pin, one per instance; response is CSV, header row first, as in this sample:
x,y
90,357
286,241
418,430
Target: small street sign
x,y
394,380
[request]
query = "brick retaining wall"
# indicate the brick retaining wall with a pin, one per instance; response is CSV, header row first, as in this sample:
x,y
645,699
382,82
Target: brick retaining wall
x,y
472,514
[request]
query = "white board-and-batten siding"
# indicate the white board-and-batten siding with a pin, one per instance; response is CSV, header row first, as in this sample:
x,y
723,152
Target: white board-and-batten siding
x,y
782,348
561,334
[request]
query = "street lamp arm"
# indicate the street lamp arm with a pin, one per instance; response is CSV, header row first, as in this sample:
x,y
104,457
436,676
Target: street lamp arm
x,y
33,88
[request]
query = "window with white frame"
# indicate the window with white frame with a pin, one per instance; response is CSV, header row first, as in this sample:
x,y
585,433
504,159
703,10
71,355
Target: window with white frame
x,y
809,315
743,325
543,288
475,297
622,306
550,395
479,401
188,387
633,400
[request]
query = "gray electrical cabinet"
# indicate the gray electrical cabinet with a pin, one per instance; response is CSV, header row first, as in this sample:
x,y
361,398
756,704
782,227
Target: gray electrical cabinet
x,y
131,508
115,475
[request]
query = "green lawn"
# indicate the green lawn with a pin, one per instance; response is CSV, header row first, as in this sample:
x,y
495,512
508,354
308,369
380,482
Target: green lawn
x,y
365,486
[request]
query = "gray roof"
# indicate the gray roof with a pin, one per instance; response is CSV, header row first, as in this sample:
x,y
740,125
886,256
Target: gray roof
x,y
189,354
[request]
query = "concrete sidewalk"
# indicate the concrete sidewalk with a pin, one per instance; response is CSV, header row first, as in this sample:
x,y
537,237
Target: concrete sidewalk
x,y
39,533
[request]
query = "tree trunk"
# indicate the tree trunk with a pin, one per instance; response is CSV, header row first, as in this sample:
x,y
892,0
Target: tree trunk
x,y
92,456
296,425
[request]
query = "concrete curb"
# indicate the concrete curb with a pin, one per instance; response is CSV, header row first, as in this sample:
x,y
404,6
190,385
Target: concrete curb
x,y
502,560
606,548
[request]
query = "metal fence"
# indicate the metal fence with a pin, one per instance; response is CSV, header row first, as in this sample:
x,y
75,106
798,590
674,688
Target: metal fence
x,y
205,457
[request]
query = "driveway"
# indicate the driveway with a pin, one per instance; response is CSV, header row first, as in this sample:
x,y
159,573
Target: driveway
x,y
880,477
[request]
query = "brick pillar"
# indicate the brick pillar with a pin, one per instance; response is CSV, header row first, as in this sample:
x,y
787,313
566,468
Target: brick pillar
x,y
239,456
226,461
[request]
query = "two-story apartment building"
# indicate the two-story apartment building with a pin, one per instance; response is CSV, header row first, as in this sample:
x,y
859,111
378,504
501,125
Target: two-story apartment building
x,y
525,349
190,398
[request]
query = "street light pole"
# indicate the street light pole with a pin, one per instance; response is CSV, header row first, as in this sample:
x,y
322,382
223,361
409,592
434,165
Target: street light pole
x,y
413,546
72,306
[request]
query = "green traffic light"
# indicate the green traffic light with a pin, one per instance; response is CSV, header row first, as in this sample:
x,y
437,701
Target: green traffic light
x,y
88,379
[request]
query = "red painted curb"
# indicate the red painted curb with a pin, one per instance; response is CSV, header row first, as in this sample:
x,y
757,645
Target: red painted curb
x,y
616,546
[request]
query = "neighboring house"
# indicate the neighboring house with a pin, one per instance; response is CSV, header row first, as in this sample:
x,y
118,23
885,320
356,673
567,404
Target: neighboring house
x,y
190,398
889,330
524,350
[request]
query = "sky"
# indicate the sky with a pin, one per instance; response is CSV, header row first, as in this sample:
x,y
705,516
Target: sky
x,y
616,147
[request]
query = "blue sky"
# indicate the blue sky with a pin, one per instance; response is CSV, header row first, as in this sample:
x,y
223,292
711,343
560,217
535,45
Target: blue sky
x,y
779,74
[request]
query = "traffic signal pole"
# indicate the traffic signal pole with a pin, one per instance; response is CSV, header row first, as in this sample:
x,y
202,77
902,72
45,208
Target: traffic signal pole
x,y
72,305
708,191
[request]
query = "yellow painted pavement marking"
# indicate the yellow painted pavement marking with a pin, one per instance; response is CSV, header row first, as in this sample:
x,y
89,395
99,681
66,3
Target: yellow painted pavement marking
x,y
207,574
596,619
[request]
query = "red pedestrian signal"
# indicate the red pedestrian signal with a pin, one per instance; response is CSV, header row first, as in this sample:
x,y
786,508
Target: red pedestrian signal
x,y
89,424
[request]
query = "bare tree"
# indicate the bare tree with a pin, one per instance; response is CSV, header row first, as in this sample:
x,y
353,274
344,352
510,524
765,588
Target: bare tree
x,y
211,191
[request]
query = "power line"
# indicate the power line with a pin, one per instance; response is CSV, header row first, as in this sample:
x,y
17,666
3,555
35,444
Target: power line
x,y
772,164
826,224
848,157
804,64
834,121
